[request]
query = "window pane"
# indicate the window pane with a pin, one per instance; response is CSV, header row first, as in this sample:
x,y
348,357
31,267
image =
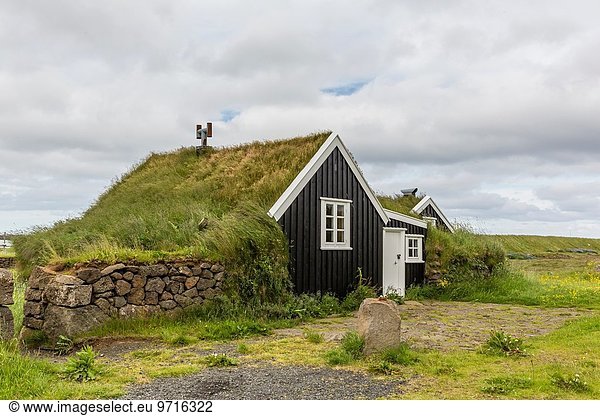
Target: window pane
x,y
329,236
340,210
340,236
329,223
329,209
340,223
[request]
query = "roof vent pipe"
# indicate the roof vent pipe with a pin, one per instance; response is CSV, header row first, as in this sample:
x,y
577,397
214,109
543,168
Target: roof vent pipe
x,y
409,192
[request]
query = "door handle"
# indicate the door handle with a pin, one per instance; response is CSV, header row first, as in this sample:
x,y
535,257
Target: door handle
x,y
398,256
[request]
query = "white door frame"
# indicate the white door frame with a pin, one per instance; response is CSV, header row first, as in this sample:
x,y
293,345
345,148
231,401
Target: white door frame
x,y
394,270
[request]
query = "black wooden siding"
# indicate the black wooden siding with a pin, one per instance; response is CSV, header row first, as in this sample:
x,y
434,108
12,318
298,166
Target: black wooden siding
x,y
430,212
415,272
334,271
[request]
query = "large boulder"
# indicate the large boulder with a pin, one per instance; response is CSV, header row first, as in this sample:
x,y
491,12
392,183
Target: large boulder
x,y
6,287
379,324
71,321
7,324
72,296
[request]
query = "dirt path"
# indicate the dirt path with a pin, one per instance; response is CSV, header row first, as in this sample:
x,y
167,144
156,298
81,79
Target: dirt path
x,y
431,325
456,325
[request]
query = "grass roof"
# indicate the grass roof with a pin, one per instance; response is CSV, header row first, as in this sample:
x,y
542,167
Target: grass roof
x,y
400,203
161,206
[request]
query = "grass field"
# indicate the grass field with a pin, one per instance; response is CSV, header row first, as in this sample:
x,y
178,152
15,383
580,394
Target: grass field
x,y
533,244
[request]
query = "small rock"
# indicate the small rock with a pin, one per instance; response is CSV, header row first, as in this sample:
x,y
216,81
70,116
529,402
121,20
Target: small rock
x,y
166,296
207,274
88,275
204,284
138,280
151,298
155,285
206,265
219,276
210,293
111,269
117,276
168,304
122,287
34,295
104,306
186,271
7,324
40,277
6,287
136,296
184,301
64,279
33,309
196,270
34,323
190,282
128,276
103,285
157,270
120,301
217,268
192,293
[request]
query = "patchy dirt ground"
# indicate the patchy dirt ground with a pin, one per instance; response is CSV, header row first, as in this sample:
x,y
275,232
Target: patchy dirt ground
x,y
455,325
431,325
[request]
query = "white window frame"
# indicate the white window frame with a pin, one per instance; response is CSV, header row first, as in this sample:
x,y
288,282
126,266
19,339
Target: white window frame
x,y
335,245
431,220
419,239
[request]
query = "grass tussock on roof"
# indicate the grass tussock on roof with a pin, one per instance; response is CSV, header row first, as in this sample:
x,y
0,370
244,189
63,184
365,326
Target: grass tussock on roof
x,y
400,203
158,209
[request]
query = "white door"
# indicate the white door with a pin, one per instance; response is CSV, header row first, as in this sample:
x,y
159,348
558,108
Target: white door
x,y
393,260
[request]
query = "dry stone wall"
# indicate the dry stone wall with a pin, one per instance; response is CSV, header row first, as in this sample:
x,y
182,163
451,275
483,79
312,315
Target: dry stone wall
x,y
6,299
61,304
7,262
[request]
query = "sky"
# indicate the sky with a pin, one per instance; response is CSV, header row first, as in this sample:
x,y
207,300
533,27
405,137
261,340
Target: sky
x,y
492,108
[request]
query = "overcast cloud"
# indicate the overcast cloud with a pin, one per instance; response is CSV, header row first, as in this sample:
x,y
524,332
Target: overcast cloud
x,y
490,107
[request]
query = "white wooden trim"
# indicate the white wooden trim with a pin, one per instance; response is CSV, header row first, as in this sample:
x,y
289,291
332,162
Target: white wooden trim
x,y
428,201
347,232
325,198
405,218
420,248
300,181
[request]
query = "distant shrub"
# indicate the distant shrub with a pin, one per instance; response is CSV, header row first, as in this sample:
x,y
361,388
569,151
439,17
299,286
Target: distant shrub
x,y
338,357
500,343
402,355
572,382
505,385
313,336
220,360
353,344
83,366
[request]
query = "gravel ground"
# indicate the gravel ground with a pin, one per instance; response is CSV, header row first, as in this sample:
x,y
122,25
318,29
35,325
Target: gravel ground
x,y
266,382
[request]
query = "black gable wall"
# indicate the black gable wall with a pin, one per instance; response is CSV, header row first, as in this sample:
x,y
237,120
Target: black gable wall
x,y
313,269
430,212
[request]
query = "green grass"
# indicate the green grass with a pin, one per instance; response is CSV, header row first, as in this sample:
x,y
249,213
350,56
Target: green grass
x,y
399,203
533,244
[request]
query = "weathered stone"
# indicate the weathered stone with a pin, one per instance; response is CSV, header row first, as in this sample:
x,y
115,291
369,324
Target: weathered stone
x,y
155,285
104,306
128,276
32,322
205,265
64,279
379,324
71,321
40,277
89,274
122,287
186,271
183,301
151,298
103,285
157,270
168,304
210,293
136,296
152,309
7,324
67,295
105,295
132,269
33,309
219,276
190,282
196,270
217,268
204,284
6,287
175,288
179,278
173,271
34,295
116,276
120,301
207,274
138,280
166,296
111,269
192,293
129,311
